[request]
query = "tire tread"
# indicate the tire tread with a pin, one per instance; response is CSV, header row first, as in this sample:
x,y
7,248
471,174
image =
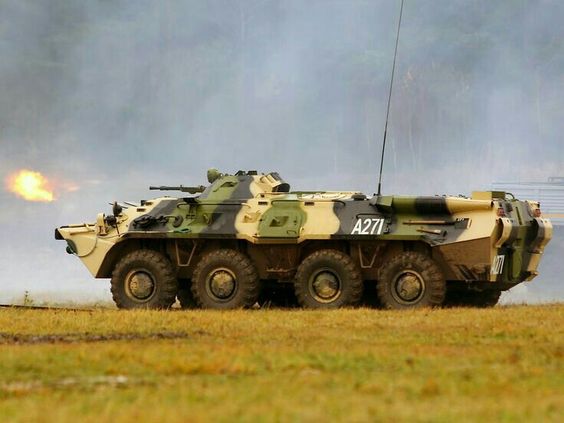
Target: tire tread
x,y
168,285
434,280
251,285
354,290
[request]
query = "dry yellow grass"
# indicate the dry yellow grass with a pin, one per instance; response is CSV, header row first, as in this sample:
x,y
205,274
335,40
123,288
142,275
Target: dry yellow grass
x,y
278,365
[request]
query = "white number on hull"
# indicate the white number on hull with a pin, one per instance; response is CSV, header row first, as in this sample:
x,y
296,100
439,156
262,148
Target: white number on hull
x,y
368,226
497,266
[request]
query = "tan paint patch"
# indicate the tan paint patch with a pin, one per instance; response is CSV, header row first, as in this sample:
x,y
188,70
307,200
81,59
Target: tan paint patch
x,y
91,249
321,221
255,188
248,219
460,205
483,225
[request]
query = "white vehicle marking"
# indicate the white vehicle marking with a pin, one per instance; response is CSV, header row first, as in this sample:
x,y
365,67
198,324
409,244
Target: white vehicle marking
x,y
368,226
497,266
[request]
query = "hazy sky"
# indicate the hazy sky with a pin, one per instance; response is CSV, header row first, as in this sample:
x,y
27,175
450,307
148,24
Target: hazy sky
x,y
107,98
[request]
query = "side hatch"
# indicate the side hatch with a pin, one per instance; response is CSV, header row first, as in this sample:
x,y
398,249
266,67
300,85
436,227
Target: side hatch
x,y
283,220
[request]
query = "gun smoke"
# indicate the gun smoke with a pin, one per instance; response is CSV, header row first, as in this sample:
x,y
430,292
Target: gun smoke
x,y
117,96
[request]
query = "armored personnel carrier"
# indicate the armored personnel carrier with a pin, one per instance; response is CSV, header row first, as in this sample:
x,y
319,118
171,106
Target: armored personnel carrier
x,y
220,246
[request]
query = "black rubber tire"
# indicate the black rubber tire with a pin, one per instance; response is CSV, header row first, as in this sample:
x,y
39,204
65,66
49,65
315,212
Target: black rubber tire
x,y
468,298
151,266
415,265
184,295
338,266
246,284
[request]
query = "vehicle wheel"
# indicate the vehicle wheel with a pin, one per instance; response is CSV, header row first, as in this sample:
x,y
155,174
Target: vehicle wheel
x,y
411,280
184,295
144,279
467,298
225,279
328,279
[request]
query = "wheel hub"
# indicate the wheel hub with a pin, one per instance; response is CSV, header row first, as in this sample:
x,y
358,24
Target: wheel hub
x,y
409,286
140,285
326,286
222,283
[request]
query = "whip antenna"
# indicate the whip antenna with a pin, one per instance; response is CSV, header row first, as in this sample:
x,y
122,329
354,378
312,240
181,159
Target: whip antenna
x,y
389,101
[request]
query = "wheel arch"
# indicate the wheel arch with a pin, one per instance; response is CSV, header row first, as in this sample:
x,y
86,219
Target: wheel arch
x,y
124,247
165,246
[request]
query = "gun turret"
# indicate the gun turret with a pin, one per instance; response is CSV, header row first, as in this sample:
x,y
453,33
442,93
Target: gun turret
x,y
190,190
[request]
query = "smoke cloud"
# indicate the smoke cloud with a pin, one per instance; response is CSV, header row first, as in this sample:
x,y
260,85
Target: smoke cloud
x,y
111,97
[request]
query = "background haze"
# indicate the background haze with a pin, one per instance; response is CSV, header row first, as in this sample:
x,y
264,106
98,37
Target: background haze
x,y
111,97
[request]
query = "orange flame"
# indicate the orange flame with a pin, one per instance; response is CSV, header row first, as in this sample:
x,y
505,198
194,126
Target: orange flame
x,y
30,185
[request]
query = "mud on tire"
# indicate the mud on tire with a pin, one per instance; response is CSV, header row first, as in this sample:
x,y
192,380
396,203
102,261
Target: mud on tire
x,y
411,280
328,279
225,279
144,279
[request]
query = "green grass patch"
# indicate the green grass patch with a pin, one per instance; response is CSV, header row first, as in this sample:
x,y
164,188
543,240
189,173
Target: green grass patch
x,y
283,365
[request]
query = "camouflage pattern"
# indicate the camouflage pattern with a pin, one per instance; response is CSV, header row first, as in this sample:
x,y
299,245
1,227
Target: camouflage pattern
x,y
486,239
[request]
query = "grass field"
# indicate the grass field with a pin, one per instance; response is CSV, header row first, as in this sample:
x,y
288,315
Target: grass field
x,y
283,365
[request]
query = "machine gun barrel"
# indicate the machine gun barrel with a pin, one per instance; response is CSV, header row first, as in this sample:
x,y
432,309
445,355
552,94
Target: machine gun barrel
x,y
190,190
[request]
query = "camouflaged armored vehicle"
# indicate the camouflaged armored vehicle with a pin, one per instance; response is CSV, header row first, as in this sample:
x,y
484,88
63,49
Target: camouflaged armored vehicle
x,y
223,245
